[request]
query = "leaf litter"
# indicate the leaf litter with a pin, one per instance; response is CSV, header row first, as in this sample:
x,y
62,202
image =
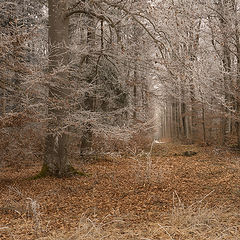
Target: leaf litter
x,y
170,197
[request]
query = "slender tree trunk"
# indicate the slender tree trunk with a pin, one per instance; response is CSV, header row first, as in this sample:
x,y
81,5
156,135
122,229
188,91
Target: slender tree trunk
x,y
237,98
164,127
135,94
193,47
223,8
227,80
4,102
181,130
174,112
178,120
184,120
203,124
170,121
87,134
193,114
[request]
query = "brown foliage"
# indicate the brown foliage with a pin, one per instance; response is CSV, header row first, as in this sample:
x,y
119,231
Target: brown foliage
x,y
21,138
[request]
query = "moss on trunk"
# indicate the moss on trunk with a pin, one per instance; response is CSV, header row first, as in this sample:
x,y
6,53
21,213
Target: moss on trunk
x,y
45,172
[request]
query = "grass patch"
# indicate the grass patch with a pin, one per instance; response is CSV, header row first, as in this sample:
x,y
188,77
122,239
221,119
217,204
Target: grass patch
x,y
195,222
198,222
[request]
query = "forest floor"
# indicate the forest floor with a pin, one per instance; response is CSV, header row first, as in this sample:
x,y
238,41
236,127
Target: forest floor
x,y
158,195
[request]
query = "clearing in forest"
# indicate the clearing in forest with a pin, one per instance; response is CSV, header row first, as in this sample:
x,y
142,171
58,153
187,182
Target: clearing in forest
x,y
159,195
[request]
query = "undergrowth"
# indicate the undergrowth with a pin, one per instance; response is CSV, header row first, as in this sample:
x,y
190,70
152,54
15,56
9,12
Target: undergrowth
x,y
195,222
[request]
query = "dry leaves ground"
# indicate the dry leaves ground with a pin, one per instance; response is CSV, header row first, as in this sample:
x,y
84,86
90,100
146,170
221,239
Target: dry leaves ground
x,y
160,196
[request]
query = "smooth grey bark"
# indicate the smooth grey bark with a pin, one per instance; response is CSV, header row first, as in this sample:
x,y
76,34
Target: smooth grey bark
x,y
56,161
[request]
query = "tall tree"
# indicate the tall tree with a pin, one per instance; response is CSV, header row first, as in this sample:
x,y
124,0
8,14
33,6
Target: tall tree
x,y
56,160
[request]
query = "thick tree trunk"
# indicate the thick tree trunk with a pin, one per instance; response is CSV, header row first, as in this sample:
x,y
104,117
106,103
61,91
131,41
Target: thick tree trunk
x,y
56,161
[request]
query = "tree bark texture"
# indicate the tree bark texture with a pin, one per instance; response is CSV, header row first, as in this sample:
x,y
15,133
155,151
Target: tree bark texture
x,y
56,161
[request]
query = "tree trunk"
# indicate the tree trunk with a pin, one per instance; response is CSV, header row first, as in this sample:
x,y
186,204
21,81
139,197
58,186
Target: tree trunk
x,y
193,114
184,120
56,161
4,102
87,134
237,99
203,123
